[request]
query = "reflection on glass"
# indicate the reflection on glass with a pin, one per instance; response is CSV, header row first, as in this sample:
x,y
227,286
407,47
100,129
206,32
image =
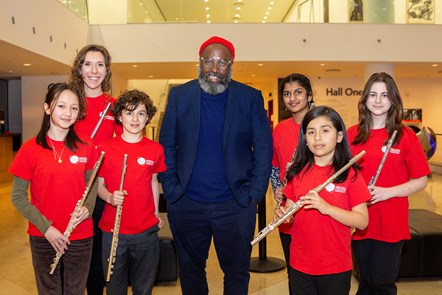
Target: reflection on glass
x,y
79,7
247,11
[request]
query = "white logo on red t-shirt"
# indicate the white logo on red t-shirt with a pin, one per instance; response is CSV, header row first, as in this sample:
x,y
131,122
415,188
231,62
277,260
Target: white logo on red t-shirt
x,y
340,189
142,161
336,188
392,150
74,159
330,187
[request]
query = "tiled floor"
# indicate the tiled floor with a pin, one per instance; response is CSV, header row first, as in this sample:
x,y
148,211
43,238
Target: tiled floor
x,y
17,277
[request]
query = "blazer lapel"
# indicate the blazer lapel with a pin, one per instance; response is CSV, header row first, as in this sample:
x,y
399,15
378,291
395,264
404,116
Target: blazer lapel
x,y
230,108
194,126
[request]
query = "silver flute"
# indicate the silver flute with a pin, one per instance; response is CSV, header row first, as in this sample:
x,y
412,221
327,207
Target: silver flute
x,y
116,230
70,227
381,165
103,114
297,205
284,182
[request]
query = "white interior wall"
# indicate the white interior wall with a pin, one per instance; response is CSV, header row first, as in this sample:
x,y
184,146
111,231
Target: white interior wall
x,y
49,18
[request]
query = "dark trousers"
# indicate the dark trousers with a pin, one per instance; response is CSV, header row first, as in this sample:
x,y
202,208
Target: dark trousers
x,y
329,284
193,225
69,278
137,257
286,240
377,266
95,280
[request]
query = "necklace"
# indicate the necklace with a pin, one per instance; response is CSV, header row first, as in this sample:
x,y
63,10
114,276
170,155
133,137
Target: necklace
x,y
56,155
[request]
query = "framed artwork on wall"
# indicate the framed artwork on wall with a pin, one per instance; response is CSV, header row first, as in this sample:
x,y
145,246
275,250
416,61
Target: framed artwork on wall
x,y
420,11
355,11
412,116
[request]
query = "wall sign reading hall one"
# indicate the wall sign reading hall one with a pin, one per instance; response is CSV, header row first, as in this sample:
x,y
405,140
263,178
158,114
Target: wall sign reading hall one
x,y
341,92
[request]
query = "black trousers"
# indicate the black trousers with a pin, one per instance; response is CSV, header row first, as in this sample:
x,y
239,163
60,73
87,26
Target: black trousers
x,y
286,240
193,226
95,281
377,265
69,278
329,284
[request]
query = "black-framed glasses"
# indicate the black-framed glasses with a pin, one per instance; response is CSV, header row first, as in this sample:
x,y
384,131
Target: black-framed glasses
x,y
221,64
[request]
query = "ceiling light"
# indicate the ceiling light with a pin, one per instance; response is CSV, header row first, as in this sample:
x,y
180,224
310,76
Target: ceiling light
x,y
134,66
208,21
263,21
260,65
237,15
207,15
238,8
269,8
434,65
27,65
236,21
207,8
267,12
266,17
271,2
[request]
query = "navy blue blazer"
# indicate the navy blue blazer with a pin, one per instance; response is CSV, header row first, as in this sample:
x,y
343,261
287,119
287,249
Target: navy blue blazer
x,y
247,141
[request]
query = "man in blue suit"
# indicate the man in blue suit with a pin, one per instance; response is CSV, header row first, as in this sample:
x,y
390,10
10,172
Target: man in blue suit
x,y
218,146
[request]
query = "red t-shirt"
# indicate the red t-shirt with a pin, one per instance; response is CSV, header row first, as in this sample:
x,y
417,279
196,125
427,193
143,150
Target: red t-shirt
x,y
389,219
56,187
144,158
285,141
94,107
320,244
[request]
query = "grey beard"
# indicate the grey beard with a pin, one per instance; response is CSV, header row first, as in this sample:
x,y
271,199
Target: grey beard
x,y
211,88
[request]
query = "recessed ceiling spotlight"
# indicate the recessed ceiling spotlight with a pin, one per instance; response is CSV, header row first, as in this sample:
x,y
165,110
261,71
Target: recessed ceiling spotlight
x,y
263,21
269,8
150,76
253,75
322,65
267,12
206,1
27,65
266,17
434,65
207,15
260,65
236,21
134,66
238,8
271,2
237,15
207,8
208,21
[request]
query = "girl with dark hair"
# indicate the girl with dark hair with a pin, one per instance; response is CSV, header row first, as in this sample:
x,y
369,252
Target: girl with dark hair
x,y
320,255
378,248
55,166
295,91
91,74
